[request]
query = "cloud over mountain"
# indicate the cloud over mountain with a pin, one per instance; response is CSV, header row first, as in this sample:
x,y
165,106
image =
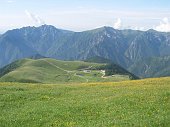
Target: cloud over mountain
x,y
118,23
35,18
164,25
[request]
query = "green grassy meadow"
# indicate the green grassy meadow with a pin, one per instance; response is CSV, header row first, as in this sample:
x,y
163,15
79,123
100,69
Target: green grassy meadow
x,y
56,71
139,103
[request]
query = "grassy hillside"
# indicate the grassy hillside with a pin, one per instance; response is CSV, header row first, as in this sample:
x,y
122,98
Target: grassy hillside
x,y
48,70
98,59
122,104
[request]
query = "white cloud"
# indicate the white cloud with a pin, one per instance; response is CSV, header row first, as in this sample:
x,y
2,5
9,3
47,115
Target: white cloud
x,y
164,25
118,24
10,1
35,18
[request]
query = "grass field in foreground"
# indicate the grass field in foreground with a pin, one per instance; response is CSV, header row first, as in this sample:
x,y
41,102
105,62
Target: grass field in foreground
x,y
122,104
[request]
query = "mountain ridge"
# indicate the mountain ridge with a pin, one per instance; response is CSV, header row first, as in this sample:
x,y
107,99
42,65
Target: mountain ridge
x,y
123,47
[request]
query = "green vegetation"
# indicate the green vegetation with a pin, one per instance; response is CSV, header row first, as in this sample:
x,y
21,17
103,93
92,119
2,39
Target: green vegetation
x,y
48,70
98,59
10,67
136,103
112,69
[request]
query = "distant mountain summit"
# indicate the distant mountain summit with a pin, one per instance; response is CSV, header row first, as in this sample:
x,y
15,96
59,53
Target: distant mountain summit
x,y
123,47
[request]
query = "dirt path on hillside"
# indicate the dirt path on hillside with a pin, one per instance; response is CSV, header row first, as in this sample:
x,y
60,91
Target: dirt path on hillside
x,y
66,70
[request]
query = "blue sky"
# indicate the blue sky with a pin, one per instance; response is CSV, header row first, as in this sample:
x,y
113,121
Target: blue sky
x,y
79,15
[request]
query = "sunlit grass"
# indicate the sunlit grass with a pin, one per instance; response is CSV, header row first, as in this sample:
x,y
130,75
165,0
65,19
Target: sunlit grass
x,y
136,103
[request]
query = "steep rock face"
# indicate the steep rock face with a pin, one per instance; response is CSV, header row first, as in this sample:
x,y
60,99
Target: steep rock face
x,y
148,44
28,41
152,67
123,47
41,39
12,48
104,42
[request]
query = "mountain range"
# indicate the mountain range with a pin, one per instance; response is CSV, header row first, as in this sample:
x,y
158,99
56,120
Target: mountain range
x,y
123,47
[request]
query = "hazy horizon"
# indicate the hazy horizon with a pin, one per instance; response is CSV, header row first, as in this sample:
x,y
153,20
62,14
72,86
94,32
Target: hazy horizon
x,y
76,15
77,31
